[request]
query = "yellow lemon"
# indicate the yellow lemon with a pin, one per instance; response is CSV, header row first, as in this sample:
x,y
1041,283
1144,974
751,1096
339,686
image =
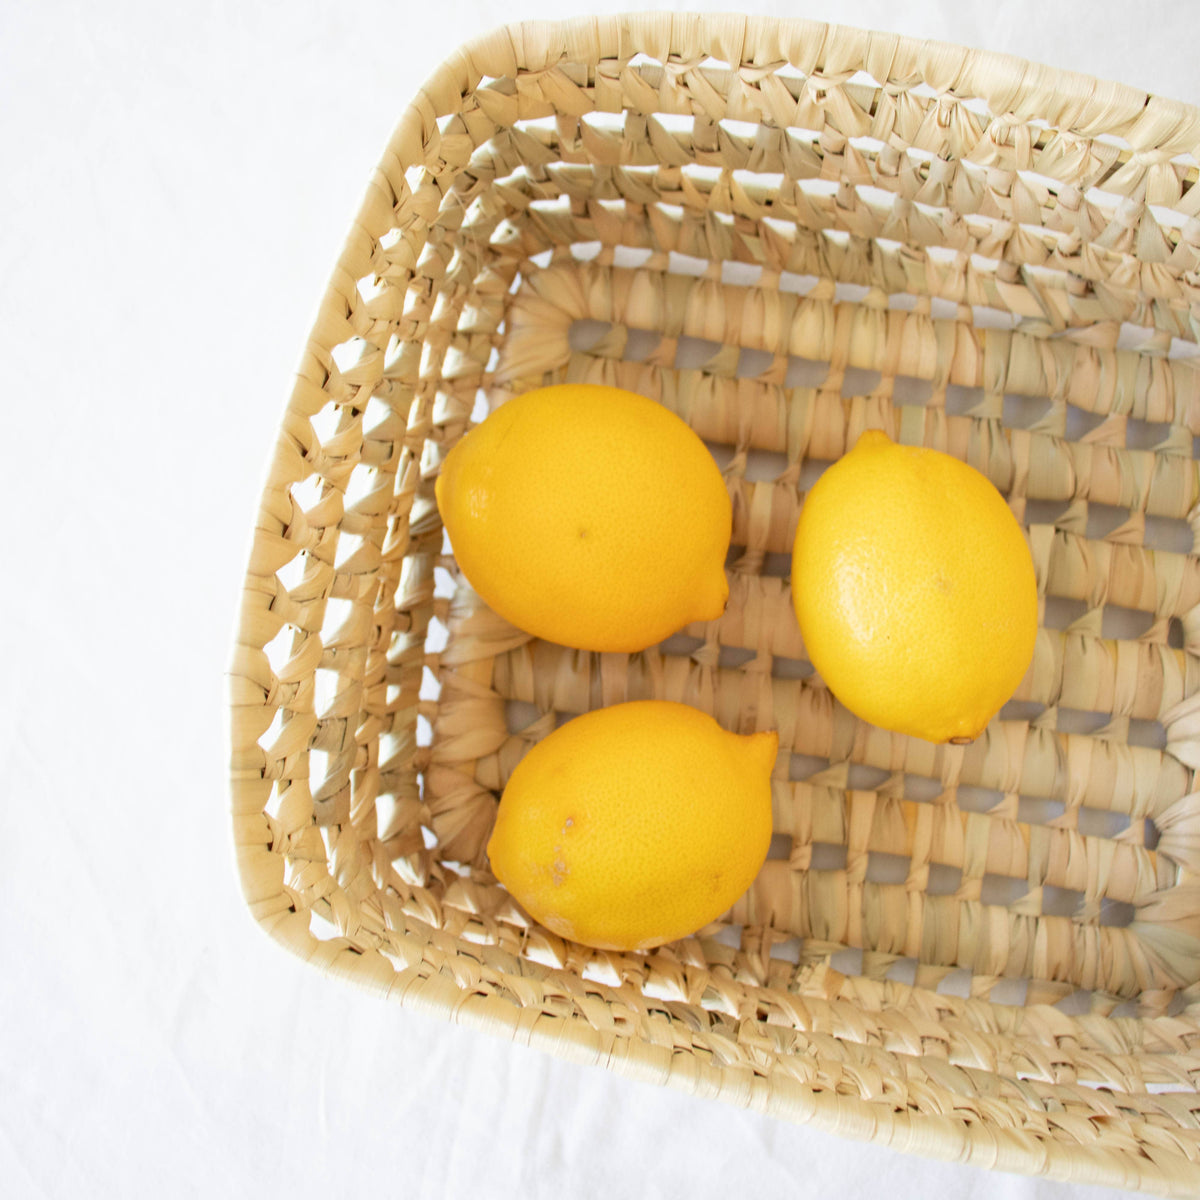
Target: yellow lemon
x,y
635,825
915,590
589,516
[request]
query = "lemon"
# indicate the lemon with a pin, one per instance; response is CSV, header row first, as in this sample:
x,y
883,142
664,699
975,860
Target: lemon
x,y
915,590
635,825
589,516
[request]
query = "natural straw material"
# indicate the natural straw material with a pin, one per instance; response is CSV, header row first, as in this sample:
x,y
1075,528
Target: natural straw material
x,y
787,233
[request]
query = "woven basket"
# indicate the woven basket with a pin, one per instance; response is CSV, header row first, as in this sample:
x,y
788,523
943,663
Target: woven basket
x,y
786,233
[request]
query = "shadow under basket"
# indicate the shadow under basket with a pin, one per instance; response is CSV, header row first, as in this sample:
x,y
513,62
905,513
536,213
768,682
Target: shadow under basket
x,y
786,233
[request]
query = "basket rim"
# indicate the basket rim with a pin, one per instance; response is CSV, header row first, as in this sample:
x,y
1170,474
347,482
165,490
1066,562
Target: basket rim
x,y
982,74
1149,124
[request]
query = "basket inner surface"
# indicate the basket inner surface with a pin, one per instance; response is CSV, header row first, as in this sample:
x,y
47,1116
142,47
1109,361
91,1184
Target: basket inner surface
x,y
1022,863
825,256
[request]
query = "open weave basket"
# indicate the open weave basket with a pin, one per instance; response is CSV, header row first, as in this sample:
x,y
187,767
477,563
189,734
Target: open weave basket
x,y
786,233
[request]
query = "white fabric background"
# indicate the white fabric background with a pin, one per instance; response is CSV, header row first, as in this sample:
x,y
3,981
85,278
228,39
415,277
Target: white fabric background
x,y
176,182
